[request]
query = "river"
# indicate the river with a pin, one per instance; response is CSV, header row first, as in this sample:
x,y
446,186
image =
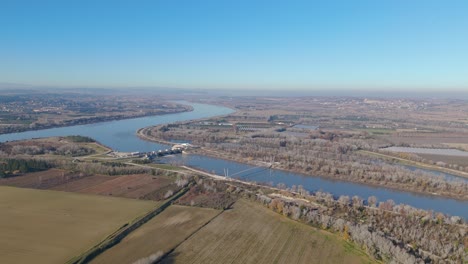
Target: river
x,y
121,135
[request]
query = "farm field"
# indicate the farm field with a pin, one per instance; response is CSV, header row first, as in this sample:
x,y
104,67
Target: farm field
x,y
40,180
250,233
41,226
159,235
136,186
462,161
82,183
429,151
428,138
129,186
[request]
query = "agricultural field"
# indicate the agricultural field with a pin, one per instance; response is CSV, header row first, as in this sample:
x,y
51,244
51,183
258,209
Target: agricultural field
x,y
136,186
250,233
461,161
130,186
41,226
427,138
38,180
159,235
82,183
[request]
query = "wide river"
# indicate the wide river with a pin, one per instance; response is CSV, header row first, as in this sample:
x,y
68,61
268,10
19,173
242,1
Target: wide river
x,y
121,135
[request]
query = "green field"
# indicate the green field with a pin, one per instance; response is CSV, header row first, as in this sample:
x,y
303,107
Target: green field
x,y
250,233
40,226
160,234
377,131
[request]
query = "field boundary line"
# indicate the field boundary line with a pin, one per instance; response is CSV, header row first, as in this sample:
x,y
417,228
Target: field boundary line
x,y
188,237
123,231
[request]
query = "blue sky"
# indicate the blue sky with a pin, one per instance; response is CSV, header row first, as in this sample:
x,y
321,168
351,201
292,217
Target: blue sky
x,y
374,44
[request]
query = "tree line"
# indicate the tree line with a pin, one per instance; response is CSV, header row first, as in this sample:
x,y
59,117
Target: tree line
x,y
332,155
11,167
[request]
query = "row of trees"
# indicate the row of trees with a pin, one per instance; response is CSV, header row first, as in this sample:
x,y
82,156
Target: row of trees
x,y
66,149
11,167
325,154
398,233
394,233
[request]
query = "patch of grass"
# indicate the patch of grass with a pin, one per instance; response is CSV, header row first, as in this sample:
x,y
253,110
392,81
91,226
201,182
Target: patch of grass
x,y
378,131
166,167
100,149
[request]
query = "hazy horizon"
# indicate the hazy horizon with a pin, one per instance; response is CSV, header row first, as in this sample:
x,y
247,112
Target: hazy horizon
x,y
359,93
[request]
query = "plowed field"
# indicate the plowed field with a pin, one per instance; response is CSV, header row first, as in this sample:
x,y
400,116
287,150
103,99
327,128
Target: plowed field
x,y
138,186
250,233
159,235
129,186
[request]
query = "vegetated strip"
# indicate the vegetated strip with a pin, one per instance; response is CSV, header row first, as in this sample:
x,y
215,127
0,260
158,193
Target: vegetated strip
x,y
415,163
142,133
126,229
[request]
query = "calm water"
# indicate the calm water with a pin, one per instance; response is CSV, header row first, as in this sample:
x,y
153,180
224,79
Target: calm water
x,y
262,175
121,135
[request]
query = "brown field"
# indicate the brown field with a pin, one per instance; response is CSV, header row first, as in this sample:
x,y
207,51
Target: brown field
x,y
160,234
82,183
39,180
137,186
461,146
40,226
428,138
463,161
250,233
129,186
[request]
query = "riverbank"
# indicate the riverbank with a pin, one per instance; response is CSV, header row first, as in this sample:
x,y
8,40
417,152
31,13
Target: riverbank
x,y
143,134
218,155
96,120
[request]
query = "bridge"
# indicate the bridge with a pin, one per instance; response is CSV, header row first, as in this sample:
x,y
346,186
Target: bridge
x,y
264,167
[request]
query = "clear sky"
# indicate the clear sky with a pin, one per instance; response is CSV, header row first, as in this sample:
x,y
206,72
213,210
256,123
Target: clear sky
x,y
374,44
